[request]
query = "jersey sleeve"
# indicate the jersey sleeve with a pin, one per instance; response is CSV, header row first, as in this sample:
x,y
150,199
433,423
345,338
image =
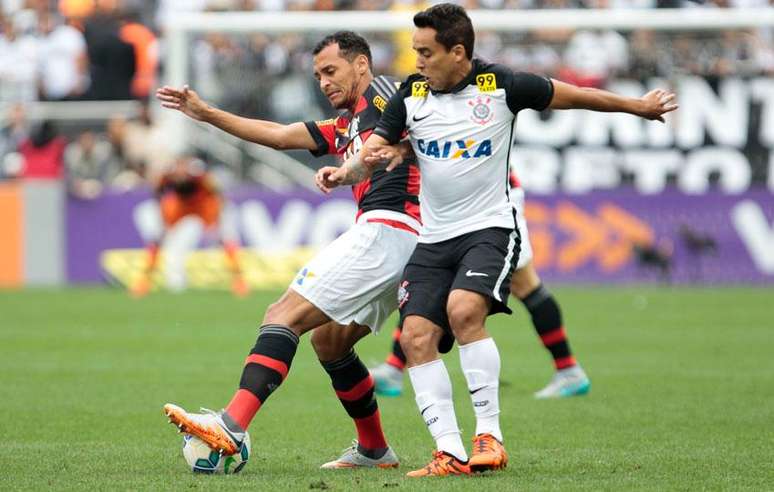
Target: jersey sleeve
x,y
392,124
528,91
324,135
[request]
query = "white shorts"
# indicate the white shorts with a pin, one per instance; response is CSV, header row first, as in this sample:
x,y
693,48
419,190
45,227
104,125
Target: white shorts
x,y
517,199
355,278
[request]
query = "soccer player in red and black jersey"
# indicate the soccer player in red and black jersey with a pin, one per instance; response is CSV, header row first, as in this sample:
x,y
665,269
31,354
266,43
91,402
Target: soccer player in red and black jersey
x,y
349,288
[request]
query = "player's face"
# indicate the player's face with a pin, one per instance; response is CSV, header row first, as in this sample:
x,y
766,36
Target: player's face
x,y
434,62
338,77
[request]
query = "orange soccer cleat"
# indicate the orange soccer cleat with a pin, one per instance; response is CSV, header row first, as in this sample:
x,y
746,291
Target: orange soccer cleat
x,y
239,286
488,454
208,426
443,464
141,287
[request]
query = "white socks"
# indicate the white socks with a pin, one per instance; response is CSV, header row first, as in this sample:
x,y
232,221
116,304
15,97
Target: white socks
x,y
480,363
433,391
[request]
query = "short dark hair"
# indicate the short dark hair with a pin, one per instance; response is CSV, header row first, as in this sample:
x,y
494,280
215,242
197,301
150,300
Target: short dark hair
x,y
350,44
452,26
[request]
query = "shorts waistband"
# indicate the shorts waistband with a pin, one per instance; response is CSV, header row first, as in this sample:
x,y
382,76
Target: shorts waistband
x,y
394,223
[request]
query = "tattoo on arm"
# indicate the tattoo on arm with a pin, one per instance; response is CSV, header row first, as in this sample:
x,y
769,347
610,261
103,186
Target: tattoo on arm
x,y
356,170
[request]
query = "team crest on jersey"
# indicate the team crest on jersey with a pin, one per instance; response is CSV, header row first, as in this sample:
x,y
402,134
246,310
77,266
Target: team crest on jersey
x,y
482,112
419,89
486,82
379,102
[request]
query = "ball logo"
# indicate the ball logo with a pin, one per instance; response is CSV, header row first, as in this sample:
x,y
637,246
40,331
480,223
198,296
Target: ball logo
x,y
482,113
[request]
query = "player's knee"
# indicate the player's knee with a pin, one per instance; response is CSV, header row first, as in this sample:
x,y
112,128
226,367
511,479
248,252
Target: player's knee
x,y
418,343
328,345
466,319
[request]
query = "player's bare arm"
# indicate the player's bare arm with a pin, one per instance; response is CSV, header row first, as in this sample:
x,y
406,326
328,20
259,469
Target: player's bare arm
x,y
269,133
390,155
651,106
356,169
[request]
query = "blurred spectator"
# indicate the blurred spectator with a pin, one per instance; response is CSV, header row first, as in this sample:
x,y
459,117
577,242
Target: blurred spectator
x,y
592,57
43,152
145,47
111,60
18,64
90,165
77,10
142,143
14,130
63,60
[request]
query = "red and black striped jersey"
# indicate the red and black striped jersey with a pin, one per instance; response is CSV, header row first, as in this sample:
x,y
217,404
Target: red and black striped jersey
x,y
385,193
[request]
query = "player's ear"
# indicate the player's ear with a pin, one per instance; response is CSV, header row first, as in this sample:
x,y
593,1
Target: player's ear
x,y
459,52
361,63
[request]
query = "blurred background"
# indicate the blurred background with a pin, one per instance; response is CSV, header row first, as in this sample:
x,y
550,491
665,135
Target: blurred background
x,y
87,155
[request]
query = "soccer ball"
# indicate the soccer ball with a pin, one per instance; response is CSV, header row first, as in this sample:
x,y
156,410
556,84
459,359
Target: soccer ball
x,y
202,459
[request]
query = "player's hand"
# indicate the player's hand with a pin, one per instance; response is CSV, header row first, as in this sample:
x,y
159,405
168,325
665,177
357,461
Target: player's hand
x,y
656,103
389,155
324,178
185,100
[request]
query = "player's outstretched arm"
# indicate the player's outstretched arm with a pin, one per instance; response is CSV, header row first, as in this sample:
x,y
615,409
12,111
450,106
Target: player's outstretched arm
x,y
268,133
651,106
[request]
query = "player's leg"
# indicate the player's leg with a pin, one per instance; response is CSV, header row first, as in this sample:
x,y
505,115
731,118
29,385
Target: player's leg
x,y
150,226
388,376
546,316
266,367
481,287
227,219
433,392
480,363
354,387
180,240
569,379
422,297
337,284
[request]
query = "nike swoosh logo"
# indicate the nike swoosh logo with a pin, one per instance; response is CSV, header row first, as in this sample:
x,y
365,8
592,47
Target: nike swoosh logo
x,y
231,435
471,273
422,118
473,392
422,412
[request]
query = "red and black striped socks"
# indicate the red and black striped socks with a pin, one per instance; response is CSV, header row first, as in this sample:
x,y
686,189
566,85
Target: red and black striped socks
x,y
355,388
396,358
265,369
547,319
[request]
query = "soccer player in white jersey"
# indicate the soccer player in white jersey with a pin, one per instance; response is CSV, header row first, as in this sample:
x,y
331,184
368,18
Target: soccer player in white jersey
x,y
459,114
569,379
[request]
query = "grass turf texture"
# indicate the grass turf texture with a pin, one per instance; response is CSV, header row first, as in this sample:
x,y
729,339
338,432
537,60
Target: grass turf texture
x,y
681,395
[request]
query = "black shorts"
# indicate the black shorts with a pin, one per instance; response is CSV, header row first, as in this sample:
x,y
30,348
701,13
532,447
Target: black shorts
x,y
480,261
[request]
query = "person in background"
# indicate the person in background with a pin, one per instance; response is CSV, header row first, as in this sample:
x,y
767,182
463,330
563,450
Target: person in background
x,y
188,204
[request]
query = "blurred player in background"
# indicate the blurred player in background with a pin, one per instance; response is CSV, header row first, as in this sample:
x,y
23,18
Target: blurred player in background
x,y
349,288
187,207
569,379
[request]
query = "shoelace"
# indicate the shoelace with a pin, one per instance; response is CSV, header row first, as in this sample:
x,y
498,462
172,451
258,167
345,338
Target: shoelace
x,y
485,444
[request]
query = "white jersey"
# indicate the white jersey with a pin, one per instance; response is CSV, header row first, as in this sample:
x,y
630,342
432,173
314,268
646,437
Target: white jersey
x,y
462,140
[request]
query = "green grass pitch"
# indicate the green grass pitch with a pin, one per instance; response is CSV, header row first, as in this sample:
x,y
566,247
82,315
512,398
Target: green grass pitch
x,y
682,395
